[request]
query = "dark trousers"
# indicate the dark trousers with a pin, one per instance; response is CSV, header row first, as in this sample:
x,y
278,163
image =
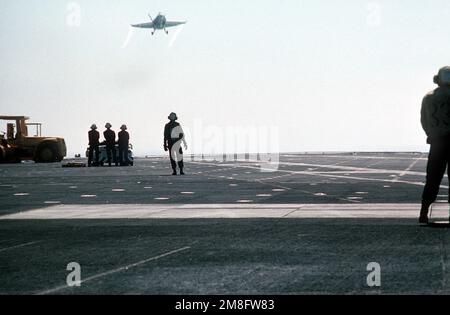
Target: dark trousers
x,y
178,157
438,161
111,151
93,149
123,155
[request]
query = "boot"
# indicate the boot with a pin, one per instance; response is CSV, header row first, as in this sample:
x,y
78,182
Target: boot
x,y
181,166
424,214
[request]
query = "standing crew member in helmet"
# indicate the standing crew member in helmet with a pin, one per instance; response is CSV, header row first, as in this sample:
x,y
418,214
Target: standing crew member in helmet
x,y
173,137
436,123
110,139
124,141
94,142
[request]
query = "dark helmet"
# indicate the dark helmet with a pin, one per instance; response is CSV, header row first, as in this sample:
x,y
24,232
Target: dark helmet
x,y
443,77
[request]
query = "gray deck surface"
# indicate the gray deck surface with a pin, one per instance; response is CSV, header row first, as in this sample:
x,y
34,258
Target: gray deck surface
x,y
225,228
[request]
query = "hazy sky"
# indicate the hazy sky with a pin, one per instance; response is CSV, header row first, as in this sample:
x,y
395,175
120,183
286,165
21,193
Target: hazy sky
x,y
330,75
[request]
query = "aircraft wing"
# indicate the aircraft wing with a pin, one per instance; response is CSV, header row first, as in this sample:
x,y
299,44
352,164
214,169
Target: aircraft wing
x,y
143,25
172,24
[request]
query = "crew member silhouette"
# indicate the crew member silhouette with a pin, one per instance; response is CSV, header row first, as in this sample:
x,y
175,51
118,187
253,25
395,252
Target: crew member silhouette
x,y
3,140
173,137
110,140
94,142
436,123
124,141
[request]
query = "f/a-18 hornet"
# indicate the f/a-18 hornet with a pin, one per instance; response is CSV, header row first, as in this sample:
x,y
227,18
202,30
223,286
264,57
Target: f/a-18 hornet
x,y
159,23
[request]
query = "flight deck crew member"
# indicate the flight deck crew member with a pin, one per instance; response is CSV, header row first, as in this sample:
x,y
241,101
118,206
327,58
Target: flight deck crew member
x,y
124,141
436,123
3,140
173,137
94,142
110,139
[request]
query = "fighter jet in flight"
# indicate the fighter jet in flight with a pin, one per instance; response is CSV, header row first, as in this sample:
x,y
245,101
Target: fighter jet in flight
x,y
159,23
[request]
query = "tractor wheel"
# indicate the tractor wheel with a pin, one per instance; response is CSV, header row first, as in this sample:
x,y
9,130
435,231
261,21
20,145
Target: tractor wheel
x,y
46,154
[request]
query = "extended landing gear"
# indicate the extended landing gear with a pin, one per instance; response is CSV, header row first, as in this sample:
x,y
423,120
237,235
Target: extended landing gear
x,y
167,32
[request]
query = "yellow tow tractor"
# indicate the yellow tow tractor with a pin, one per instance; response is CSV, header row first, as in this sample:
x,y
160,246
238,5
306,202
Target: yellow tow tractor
x,y
17,145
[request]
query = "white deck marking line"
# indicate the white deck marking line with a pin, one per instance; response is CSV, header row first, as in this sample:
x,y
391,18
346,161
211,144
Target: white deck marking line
x,y
350,168
375,179
353,157
352,177
292,212
371,165
230,211
346,169
276,177
19,246
349,172
215,170
272,185
113,271
290,173
242,179
406,170
347,177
